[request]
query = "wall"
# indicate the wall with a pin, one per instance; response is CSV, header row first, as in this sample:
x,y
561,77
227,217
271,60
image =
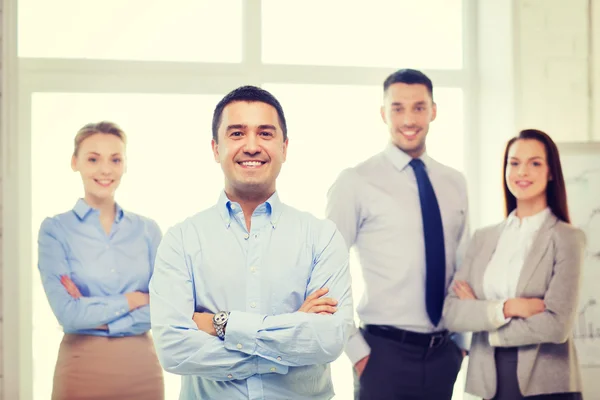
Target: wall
x,y
7,86
558,86
539,66
557,52
1,211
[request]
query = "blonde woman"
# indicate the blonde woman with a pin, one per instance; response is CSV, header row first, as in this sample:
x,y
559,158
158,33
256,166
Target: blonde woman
x,y
519,284
95,262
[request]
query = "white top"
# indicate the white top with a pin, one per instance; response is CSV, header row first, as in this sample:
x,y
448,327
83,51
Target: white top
x,y
503,271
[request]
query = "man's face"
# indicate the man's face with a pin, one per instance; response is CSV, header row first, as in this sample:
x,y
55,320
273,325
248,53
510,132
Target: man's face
x,y
250,149
407,111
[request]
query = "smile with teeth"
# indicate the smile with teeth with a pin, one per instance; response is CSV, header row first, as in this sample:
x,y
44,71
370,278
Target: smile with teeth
x,y
523,184
251,163
410,133
104,182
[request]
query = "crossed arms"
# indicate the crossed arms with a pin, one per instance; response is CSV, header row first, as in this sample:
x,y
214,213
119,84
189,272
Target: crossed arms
x,y
526,320
254,343
117,314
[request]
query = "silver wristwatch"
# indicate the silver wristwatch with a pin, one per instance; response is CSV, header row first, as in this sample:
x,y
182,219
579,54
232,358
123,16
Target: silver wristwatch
x,y
220,322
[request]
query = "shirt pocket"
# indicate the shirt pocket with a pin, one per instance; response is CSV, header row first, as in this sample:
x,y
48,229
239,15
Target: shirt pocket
x,y
454,220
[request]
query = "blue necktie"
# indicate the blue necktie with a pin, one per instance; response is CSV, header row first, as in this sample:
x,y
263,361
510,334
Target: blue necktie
x,y
435,254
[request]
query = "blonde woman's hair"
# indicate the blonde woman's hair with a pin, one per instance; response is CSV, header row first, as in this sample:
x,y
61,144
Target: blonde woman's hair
x,y
104,127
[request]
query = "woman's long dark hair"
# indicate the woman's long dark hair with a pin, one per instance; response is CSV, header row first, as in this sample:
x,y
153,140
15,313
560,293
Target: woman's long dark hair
x,y
556,193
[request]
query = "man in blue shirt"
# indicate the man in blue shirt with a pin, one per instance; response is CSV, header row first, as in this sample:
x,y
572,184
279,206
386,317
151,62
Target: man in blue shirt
x,y
251,299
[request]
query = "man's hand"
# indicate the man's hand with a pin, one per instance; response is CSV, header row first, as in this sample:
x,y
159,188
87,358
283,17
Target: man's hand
x,y
319,305
523,307
360,365
463,290
72,289
204,322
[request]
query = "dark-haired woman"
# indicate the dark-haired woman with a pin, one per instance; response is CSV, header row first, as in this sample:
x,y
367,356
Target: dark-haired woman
x,y
517,290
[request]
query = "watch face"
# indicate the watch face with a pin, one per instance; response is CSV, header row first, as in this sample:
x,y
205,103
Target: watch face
x,y
220,318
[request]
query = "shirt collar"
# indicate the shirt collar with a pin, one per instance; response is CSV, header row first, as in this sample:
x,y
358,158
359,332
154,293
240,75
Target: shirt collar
x,y
400,159
83,209
272,208
533,222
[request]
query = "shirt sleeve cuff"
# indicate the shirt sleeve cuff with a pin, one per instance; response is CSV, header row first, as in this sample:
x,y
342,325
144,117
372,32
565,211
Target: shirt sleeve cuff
x,y
494,339
117,306
462,340
270,367
357,347
242,331
119,326
496,314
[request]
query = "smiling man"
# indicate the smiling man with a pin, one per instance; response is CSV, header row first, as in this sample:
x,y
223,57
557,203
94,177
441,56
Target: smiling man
x,y
406,214
251,298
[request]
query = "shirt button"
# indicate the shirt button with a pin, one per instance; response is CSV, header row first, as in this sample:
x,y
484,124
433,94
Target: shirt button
x,y
246,236
278,358
253,305
253,269
273,369
116,313
256,236
230,376
239,346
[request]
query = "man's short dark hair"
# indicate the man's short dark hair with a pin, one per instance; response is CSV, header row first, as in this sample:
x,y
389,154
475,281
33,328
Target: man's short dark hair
x,y
409,77
248,94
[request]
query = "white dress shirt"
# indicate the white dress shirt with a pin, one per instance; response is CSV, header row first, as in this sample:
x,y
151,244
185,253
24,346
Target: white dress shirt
x,y
376,207
504,269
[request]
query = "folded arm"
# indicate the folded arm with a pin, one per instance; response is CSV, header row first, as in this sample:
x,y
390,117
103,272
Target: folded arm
x,y
343,208
134,323
182,348
72,313
470,314
301,338
555,324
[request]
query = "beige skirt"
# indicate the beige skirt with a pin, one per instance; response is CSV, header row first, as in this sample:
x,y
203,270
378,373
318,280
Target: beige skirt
x,y
102,368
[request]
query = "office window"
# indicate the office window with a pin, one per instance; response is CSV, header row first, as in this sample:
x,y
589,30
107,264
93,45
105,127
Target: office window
x,y
381,33
171,175
142,30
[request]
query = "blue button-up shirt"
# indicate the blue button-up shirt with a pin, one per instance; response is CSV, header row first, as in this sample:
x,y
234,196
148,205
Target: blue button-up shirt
x,y
103,266
211,262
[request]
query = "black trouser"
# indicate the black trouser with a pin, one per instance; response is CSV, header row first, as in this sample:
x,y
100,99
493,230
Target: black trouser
x,y
400,370
508,385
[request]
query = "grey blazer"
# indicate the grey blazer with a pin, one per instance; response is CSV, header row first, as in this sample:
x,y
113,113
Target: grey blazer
x,y
547,362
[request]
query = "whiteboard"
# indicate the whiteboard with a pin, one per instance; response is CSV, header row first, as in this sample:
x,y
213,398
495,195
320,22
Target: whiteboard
x,y
581,168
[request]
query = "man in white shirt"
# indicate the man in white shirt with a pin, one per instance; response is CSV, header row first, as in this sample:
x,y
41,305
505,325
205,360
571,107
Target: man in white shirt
x,y
406,215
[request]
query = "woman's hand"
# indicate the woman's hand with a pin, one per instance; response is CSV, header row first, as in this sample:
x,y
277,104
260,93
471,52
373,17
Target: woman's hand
x,y
523,307
72,289
463,290
137,299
